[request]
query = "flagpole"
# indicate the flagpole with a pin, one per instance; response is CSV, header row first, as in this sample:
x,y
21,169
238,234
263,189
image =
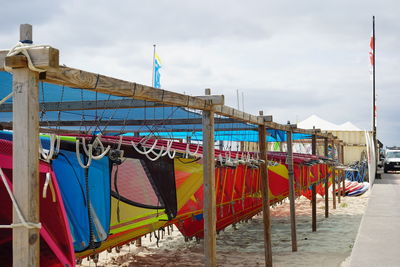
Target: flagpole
x,y
373,81
374,135
154,59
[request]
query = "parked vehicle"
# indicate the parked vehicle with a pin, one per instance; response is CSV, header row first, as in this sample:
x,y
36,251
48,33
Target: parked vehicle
x,y
392,159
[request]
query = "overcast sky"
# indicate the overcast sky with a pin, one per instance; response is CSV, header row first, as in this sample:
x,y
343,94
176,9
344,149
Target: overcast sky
x,y
291,59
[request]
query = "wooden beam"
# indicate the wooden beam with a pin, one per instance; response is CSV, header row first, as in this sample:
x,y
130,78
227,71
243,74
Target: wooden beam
x,y
289,161
313,189
43,58
18,61
265,194
210,232
239,115
76,78
103,84
214,99
26,242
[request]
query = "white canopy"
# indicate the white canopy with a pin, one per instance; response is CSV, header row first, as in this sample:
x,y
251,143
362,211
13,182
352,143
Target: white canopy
x,y
324,125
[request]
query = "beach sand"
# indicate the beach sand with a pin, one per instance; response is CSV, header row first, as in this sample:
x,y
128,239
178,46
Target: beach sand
x,y
330,246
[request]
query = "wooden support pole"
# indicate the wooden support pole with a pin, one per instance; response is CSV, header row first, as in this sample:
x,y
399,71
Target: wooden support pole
x,y
138,242
26,245
210,243
342,172
333,177
289,160
343,182
339,186
265,194
313,188
333,187
326,180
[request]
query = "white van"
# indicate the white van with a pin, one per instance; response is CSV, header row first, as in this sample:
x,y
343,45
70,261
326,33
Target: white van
x,y
392,159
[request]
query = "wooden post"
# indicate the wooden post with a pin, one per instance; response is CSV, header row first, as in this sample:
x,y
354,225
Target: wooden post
x,y
333,177
138,242
333,187
313,188
326,180
26,245
289,161
342,172
339,186
265,193
210,243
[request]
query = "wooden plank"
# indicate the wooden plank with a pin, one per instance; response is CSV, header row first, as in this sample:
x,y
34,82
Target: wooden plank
x,y
76,78
289,162
103,84
43,58
210,243
26,245
265,195
18,61
237,114
313,188
215,99
326,180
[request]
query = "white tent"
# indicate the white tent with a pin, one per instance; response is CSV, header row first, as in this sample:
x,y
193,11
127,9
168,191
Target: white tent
x,y
318,123
348,126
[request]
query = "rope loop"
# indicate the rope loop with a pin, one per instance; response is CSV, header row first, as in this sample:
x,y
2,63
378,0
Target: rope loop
x,y
22,48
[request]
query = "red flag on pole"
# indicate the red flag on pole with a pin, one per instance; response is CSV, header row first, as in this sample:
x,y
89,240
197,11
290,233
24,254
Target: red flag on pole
x,y
371,51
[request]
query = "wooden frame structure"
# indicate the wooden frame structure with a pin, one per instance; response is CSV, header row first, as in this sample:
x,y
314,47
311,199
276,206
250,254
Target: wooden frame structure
x,y
26,129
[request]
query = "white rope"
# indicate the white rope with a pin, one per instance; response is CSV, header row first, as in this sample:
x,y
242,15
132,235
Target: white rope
x,y
119,143
78,155
173,154
104,151
21,48
157,155
96,143
23,222
169,144
145,151
54,148
6,98
190,153
45,186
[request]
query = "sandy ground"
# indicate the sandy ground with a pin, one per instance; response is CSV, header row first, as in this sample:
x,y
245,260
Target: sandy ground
x,y
330,246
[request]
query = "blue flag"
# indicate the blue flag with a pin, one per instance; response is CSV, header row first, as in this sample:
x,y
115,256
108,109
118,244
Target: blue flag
x,y
157,67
